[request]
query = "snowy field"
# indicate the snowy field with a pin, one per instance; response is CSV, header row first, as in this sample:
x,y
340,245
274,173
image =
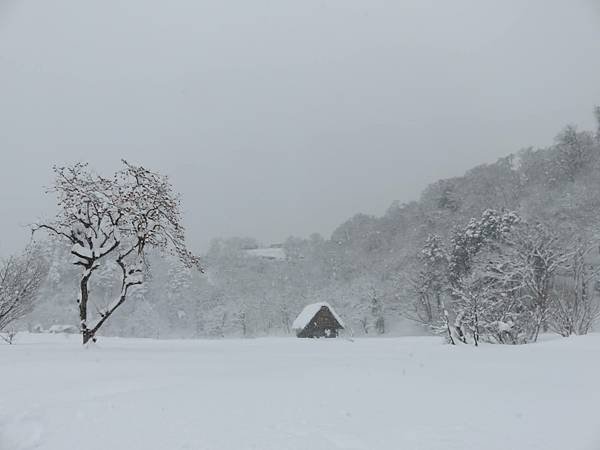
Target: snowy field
x,y
280,394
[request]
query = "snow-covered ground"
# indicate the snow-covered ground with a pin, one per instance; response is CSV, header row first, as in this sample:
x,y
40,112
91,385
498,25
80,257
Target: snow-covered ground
x,y
280,394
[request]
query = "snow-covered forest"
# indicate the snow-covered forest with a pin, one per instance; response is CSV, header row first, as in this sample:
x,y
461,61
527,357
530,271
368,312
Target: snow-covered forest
x,y
504,252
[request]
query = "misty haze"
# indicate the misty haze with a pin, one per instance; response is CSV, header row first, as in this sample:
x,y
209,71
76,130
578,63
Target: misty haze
x,y
287,225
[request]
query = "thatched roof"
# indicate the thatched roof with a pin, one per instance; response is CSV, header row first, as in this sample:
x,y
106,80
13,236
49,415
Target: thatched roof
x,y
310,311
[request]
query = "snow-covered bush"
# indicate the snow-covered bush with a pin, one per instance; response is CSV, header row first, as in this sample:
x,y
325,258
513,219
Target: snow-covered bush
x,y
20,279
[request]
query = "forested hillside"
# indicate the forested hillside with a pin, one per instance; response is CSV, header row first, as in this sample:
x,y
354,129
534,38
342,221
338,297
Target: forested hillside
x,y
457,249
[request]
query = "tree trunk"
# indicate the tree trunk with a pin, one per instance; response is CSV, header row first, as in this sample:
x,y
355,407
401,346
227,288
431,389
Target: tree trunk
x,y
87,336
447,323
83,301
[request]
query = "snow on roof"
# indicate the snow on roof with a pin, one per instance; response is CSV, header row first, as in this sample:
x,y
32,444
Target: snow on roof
x,y
309,312
269,252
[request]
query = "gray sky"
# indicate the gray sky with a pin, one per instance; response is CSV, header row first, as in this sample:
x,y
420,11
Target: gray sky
x,y
283,117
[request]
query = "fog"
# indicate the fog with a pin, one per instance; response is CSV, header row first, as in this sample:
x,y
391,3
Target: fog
x,y
279,118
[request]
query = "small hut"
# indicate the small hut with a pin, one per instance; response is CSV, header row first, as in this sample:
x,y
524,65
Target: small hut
x,y
317,320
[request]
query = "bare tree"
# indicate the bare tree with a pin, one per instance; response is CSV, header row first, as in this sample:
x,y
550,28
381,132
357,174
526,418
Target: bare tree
x,y
428,306
469,302
20,279
116,218
576,305
493,303
429,289
516,278
539,257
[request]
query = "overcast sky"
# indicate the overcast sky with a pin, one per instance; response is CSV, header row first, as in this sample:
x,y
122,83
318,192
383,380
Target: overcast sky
x,y
283,117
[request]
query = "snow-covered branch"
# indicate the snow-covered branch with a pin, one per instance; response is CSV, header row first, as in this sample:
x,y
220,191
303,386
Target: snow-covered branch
x,y
20,279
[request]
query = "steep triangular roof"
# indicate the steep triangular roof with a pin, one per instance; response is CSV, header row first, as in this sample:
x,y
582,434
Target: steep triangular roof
x,y
311,311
